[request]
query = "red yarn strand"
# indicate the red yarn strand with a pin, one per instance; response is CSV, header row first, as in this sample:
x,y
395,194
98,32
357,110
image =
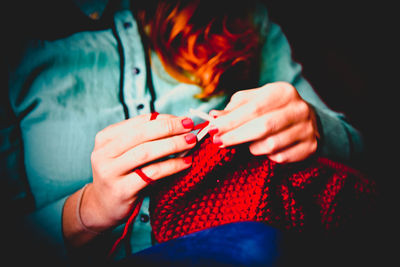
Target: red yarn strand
x,y
135,212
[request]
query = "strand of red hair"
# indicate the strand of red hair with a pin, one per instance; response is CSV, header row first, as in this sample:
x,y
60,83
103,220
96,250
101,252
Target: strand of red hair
x,y
197,47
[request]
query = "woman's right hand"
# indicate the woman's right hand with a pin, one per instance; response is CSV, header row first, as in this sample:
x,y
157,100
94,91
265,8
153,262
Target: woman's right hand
x,y
123,147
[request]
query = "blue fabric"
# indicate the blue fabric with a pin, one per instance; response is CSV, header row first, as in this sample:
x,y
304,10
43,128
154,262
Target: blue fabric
x,y
235,244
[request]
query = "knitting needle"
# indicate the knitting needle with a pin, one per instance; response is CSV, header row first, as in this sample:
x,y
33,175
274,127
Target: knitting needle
x,y
201,114
204,131
204,116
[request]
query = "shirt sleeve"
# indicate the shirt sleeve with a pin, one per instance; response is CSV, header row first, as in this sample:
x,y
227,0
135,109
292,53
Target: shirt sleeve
x,y
339,140
28,232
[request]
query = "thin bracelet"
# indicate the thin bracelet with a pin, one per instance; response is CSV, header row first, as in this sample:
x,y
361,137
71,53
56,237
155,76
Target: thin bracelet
x,y
78,211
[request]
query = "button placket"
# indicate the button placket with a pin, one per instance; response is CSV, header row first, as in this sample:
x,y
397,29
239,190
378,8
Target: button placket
x,y
144,218
134,71
142,223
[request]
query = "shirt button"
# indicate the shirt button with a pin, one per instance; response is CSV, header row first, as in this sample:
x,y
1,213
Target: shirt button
x,y
144,218
140,106
136,70
127,25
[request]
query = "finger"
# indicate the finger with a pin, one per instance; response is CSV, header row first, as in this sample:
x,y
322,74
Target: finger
x,y
264,101
260,127
297,152
150,130
239,98
271,96
110,132
155,171
234,118
280,140
216,113
151,151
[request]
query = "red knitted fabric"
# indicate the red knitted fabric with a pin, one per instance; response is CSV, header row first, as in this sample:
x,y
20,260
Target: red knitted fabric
x,y
227,185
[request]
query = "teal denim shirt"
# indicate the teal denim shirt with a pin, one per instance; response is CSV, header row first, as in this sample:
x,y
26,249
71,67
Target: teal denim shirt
x,y
64,91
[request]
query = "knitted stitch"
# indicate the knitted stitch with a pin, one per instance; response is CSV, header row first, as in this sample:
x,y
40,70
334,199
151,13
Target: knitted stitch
x,y
227,185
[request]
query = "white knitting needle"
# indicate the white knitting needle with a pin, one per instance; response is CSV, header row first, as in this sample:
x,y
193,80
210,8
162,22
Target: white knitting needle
x,y
201,114
204,116
204,131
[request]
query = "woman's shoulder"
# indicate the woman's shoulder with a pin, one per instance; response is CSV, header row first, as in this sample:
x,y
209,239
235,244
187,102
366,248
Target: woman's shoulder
x,y
258,12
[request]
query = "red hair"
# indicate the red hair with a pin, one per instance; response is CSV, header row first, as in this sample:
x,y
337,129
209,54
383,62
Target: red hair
x,y
198,42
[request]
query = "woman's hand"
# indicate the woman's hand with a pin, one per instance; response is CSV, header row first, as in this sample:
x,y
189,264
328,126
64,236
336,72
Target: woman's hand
x,y
118,150
274,119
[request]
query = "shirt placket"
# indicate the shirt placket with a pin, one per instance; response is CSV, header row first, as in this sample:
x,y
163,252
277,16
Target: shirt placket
x,y
135,95
137,100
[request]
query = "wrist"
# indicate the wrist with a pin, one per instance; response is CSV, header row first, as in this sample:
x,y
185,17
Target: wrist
x,y
90,210
75,235
79,217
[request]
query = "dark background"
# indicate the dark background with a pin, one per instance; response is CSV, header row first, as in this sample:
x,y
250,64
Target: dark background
x,y
349,53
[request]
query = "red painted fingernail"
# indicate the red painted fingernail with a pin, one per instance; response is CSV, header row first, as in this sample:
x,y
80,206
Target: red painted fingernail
x,y
213,130
213,113
217,140
190,138
187,123
188,159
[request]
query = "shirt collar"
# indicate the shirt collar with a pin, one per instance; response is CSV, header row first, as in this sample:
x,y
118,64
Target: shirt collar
x,y
94,9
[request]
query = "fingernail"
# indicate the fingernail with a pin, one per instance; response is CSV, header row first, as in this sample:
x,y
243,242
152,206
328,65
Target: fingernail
x,y
217,140
187,123
190,138
213,113
213,130
188,159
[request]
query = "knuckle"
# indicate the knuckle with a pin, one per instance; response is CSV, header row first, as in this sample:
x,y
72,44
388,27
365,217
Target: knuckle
x,y
95,160
102,171
175,144
139,135
287,87
270,125
168,126
271,144
176,165
122,193
141,154
303,109
258,107
99,138
155,172
237,96
287,90
313,146
310,131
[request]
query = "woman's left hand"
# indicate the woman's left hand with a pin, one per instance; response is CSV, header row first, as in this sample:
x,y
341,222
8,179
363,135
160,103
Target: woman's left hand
x,y
274,119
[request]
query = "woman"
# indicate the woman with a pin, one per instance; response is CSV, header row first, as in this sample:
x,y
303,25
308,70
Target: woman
x,y
84,100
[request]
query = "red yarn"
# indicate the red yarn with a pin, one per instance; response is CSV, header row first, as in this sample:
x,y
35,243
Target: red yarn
x,y
137,204
144,176
154,115
135,212
227,185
